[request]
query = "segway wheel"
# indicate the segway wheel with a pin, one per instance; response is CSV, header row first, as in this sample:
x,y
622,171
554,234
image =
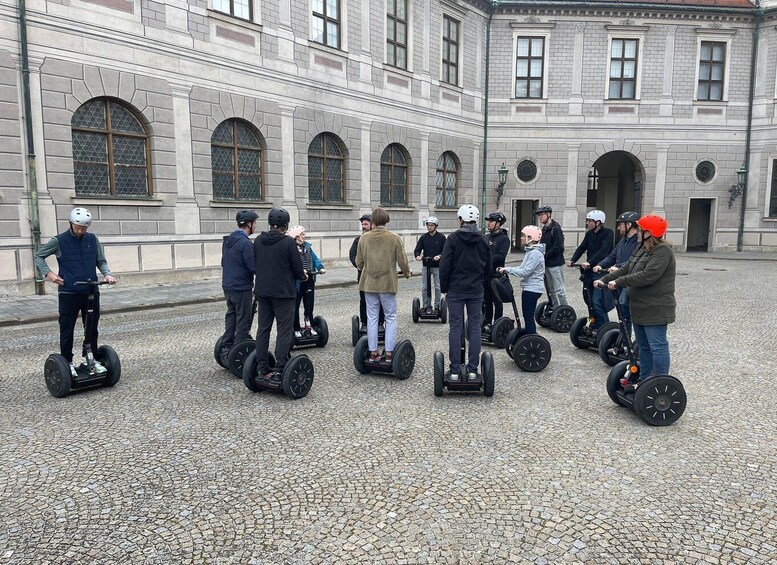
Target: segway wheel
x,y
660,400
608,327
237,356
443,311
360,353
576,331
614,381
297,377
487,367
416,310
217,352
539,314
355,325
404,360
499,331
249,373
56,373
607,342
110,360
531,353
322,329
439,372
562,318
512,335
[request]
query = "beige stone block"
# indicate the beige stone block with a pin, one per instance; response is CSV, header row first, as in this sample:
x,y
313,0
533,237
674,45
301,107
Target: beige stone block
x,y
156,257
723,239
26,264
187,255
750,238
122,258
676,238
8,265
330,249
410,242
769,239
213,254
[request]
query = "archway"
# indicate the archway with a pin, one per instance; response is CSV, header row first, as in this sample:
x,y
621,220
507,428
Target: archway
x,y
615,184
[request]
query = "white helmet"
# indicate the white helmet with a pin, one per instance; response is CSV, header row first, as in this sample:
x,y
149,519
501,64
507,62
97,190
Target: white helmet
x,y
81,217
469,213
596,215
432,220
532,232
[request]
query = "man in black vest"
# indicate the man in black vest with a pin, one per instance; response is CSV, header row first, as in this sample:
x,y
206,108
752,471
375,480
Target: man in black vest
x,y
78,253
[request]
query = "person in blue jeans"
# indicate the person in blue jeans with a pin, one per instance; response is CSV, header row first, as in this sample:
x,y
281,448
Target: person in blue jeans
x,y
465,265
531,271
649,279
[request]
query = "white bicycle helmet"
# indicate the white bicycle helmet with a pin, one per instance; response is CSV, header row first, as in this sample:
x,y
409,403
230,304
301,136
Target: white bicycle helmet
x,y
81,217
532,232
433,220
596,215
469,213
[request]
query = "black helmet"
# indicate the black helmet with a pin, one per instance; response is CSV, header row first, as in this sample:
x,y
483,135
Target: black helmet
x,y
628,217
278,217
543,210
245,216
497,217
367,217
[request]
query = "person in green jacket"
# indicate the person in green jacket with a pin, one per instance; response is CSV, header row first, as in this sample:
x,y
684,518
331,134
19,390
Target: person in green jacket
x,y
649,280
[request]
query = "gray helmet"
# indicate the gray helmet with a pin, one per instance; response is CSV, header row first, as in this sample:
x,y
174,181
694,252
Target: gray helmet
x,y
628,217
278,217
245,216
543,210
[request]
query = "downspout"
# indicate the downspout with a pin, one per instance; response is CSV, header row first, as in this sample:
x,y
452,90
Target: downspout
x,y
753,64
32,179
494,5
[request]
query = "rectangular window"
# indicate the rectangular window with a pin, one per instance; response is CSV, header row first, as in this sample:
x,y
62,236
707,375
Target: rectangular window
x,y
239,8
450,50
712,62
326,22
396,33
773,199
623,69
529,67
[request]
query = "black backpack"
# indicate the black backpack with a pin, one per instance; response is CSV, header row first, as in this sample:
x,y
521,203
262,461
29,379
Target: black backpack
x,y
502,288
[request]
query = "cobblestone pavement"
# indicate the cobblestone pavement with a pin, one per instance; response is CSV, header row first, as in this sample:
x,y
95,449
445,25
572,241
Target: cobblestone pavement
x,y
180,463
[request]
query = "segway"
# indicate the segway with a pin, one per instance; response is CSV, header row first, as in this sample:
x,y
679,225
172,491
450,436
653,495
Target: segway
x,y
56,370
430,313
308,338
581,334
401,365
295,381
496,335
530,352
234,358
484,380
559,319
612,345
659,400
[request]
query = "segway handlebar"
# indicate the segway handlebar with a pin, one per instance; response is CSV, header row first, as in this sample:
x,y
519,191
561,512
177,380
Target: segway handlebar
x,y
427,261
92,283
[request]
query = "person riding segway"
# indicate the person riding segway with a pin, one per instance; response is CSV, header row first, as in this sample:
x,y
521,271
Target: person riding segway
x,y
315,331
359,323
428,250
499,246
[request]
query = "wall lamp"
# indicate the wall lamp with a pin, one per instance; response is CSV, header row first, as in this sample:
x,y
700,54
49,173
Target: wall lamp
x,y
500,186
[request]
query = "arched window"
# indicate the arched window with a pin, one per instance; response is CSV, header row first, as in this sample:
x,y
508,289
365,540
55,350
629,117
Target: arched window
x,y
326,169
393,176
447,179
236,157
110,151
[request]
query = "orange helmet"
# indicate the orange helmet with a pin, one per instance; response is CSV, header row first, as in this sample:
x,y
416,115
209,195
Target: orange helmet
x,y
656,225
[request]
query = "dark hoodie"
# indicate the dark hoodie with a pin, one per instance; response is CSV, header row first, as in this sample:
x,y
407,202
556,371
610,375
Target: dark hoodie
x,y
500,245
465,262
280,266
237,262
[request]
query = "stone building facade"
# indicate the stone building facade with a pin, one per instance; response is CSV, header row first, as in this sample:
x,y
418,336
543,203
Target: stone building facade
x,y
166,118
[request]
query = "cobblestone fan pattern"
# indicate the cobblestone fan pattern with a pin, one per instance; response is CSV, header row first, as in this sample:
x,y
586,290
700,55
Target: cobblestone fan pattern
x,y
180,463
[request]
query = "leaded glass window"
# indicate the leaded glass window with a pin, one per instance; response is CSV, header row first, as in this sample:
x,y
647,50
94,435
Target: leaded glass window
x,y
110,151
236,162
447,180
326,169
393,176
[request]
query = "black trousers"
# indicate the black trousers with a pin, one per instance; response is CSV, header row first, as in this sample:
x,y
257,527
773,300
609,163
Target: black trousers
x,y
492,307
282,311
237,321
70,306
363,311
306,294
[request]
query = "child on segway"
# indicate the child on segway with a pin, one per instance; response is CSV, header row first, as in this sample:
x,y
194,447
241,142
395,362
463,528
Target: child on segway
x,y
306,289
531,271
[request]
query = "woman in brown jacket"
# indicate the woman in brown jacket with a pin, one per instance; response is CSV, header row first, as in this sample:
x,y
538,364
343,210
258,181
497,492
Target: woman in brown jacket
x,y
377,256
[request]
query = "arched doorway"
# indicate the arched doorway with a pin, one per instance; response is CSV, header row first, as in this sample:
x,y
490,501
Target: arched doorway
x,y
615,185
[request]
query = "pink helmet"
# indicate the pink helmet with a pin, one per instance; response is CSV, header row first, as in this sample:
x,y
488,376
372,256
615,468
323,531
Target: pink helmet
x,y
295,231
533,233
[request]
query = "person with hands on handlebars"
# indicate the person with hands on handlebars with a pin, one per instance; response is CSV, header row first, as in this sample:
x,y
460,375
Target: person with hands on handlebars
x,y
553,239
365,221
649,280
531,271
78,253
306,289
499,245
429,249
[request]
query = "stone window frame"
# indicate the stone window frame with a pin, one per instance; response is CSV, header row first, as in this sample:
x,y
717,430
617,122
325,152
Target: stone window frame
x,y
231,12
534,30
445,62
324,156
458,13
456,171
394,45
626,32
391,166
717,36
771,189
235,147
339,20
714,177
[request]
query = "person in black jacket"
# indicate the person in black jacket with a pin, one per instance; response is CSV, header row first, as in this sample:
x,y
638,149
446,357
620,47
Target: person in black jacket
x,y
465,265
237,280
553,239
429,247
597,244
366,224
499,245
275,291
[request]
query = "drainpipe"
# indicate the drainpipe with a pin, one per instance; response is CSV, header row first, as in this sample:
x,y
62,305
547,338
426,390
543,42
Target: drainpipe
x,y
32,179
494,6
753,64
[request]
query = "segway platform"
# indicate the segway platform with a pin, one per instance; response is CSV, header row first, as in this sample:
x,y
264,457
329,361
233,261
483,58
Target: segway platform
x,y
485,380
401,365
60,381
308,339
295,381
659,400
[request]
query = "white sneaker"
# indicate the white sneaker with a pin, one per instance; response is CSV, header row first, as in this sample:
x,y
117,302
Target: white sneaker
x,y
73,372
99,369
473,376
313,332
298,334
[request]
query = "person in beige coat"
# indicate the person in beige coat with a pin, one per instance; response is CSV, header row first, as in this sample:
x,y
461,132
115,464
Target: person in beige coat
x,y
377,256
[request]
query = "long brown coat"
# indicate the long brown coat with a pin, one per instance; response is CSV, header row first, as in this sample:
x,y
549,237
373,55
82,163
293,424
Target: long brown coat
x,y
377,256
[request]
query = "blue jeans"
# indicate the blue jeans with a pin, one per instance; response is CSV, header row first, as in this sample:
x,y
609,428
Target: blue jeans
x,y
653,350
528,306
599,306
456,305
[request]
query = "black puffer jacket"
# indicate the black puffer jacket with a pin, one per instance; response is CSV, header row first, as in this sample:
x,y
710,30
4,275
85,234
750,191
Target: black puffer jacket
x,y
553,238
500,245
465,262
279,266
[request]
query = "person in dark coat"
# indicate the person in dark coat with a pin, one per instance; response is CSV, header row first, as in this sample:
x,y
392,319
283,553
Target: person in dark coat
x,y
276,291
553,240
499,246
429,247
